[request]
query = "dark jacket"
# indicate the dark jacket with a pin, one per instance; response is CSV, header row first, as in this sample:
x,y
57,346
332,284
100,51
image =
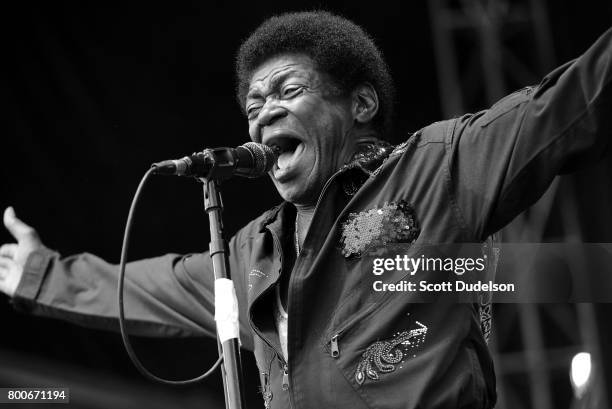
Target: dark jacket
x,y
455,181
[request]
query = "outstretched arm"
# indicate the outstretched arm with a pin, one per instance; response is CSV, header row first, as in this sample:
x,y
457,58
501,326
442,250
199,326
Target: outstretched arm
x,y
503,159
172,295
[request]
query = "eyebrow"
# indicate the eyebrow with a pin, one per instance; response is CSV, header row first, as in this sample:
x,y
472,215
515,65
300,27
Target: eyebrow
x,y
274,82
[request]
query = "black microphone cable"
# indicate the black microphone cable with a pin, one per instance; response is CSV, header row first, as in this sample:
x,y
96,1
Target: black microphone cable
x,y
124,335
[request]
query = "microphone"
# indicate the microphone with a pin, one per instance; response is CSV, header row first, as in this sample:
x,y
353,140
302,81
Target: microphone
x,y
250,160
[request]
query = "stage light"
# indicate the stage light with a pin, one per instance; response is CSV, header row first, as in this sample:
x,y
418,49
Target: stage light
x,y
580,373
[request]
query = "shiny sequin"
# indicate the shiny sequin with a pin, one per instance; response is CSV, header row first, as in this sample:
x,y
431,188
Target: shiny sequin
x,y
266,390
372,229
485,312
368,158
403,147
384,356
255,274
491,251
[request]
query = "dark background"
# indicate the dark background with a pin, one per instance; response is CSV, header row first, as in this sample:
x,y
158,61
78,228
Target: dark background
x,y
96,92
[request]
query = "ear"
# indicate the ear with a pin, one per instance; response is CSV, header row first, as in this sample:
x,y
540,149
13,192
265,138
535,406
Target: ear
x,y
365,103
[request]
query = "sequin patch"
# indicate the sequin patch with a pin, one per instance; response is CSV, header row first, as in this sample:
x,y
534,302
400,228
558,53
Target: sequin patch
x,y
372,229
384,356
368,158
401,148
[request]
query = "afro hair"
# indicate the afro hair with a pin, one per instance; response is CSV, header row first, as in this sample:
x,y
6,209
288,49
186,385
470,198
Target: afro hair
x,y
337,46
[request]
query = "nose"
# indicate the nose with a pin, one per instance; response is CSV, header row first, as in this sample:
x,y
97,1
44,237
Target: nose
x,y
270,113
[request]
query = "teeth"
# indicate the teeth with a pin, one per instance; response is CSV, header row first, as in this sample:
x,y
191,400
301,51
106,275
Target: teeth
x,y
284,145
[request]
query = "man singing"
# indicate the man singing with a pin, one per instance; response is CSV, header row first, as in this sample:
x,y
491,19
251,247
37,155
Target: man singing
x,y
314,86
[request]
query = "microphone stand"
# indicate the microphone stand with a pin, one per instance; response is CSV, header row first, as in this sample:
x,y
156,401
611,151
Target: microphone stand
x,y
231,370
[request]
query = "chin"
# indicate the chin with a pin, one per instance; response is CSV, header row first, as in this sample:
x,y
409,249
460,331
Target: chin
x,y
290,195
294,194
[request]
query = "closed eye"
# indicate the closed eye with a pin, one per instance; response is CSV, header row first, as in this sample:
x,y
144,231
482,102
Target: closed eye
x,y
292,90
287,92
253,111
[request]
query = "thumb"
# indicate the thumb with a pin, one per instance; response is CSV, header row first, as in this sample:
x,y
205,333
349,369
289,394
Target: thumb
x,y
16,227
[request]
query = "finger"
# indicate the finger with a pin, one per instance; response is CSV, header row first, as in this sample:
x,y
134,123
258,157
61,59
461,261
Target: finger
x,y
16,227
4,285
5,265
8,280
8,250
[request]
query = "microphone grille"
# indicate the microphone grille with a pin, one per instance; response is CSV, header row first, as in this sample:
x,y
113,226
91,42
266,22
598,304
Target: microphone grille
x,y
264,158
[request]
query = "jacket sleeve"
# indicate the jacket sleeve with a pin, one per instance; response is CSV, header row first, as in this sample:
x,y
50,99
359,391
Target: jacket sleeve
x,y
503,159
166,296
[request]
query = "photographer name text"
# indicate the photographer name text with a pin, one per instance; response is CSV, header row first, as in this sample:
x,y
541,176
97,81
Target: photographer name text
x,y
459,266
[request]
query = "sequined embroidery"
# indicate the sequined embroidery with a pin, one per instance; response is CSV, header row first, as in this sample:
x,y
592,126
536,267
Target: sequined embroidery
x,y
486,316
403,147
255,274
491,251
372,229
266,391
368,158
384,356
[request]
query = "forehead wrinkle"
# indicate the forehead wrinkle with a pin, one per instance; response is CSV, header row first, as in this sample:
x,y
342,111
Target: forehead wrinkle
x,y
275,76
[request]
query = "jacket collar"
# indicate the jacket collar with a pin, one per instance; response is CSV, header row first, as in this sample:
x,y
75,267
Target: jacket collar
x,y
369,156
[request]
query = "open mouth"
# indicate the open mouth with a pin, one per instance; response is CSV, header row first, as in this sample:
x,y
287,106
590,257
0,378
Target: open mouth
x,y
288,149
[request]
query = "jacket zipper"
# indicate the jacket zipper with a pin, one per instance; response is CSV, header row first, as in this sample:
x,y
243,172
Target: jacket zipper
x,y
285,377
335,350
281,358
334,342
285,382
325,186
335,335
258,332
266,392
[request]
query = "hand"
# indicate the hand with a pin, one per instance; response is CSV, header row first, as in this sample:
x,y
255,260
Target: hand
x,y
13,256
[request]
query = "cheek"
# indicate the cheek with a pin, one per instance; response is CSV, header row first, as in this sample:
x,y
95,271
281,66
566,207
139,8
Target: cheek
x,y
309,111
328,122
254,132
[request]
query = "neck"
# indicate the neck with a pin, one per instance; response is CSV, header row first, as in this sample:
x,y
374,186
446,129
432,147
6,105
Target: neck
x,y
304,215
367,136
